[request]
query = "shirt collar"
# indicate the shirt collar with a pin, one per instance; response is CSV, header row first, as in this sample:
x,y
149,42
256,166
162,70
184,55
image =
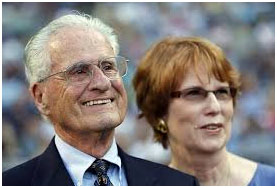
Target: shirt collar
x,y
77,162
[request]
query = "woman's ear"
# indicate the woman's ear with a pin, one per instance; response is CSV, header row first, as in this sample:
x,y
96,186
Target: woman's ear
x,y
38,93
165,117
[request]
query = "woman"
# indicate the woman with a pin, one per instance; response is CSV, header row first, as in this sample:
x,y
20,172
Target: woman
x,y
187,91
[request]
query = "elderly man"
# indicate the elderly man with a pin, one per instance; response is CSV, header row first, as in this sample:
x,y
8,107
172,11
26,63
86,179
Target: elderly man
x,y
75,73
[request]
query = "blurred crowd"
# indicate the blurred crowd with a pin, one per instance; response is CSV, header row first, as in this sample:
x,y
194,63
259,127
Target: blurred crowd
x,y
245,31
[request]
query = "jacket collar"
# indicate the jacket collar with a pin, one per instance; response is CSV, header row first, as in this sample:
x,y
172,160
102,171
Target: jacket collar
x,y
50,169
136,171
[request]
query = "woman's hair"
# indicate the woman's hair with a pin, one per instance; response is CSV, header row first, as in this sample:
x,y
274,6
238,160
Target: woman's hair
x,y
162,70
37,57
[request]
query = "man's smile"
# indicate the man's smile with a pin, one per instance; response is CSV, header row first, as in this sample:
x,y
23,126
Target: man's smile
x,y
98,102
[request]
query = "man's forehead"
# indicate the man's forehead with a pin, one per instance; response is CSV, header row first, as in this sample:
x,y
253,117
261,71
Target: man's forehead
x,y
70,45
73,35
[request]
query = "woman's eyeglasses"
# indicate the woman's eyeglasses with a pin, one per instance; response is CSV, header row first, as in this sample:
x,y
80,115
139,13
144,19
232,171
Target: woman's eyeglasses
x,y
200,94
81,73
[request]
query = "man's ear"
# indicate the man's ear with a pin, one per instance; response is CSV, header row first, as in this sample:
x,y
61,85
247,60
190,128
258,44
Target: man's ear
x,y
38,93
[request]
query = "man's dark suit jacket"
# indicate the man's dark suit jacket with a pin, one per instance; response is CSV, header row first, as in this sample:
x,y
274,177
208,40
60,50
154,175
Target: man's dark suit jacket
x,y
48,169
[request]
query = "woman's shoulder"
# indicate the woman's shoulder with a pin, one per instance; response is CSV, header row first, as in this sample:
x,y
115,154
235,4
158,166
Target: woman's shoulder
x,y
264,176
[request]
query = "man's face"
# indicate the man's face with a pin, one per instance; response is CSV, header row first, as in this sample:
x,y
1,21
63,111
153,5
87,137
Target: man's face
x,y
70,107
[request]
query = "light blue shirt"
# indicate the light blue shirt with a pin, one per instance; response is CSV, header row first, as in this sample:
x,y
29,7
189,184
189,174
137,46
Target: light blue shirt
x,y
77,162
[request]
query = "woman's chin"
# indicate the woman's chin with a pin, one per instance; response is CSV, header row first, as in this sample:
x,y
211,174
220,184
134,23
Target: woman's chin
x,y
211,147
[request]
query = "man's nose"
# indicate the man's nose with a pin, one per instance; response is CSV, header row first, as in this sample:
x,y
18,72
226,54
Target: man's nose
x,y
212,107
99,81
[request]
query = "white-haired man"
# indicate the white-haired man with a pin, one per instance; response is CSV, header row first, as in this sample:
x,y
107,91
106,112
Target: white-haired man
x,y
75,73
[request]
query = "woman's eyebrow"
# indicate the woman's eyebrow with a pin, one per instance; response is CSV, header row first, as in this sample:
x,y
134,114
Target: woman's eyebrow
x,y
192,86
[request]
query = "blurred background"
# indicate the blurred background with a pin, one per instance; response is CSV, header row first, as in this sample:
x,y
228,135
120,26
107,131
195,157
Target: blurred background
x,y
246,32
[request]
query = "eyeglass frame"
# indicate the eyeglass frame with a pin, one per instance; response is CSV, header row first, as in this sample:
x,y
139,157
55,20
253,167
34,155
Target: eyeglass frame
x,y
99,61
180,94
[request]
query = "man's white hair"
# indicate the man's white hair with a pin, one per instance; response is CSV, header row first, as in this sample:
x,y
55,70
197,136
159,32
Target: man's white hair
x,y
37,57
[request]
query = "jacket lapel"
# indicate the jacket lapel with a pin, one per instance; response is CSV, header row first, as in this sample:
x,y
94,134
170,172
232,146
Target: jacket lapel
x,y
50,169
136,171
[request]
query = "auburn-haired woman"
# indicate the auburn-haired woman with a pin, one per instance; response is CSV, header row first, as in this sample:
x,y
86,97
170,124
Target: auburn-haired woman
x,y
187,90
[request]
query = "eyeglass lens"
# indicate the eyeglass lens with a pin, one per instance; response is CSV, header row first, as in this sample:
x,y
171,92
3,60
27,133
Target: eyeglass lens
x,y
112,67
198,94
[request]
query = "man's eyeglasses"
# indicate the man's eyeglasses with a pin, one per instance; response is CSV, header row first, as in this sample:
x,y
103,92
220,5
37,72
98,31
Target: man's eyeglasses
x,y
81,73
199,94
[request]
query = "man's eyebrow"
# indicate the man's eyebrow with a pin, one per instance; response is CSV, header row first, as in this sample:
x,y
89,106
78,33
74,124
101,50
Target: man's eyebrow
x,y
84,61
92,60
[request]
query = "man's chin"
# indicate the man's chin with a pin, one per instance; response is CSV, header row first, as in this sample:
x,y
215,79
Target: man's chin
x,y
104,123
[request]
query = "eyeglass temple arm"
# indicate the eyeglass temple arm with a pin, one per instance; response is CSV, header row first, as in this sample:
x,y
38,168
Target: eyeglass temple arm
x,y
43,79
176,94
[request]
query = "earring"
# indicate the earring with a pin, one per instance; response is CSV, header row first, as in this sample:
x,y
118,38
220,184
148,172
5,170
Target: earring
x,y
161,127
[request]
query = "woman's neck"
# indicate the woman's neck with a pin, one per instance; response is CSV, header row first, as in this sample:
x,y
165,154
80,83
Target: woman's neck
x,y
209,168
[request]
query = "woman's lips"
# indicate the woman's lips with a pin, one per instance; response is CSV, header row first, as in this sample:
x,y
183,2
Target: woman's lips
x,y
211,126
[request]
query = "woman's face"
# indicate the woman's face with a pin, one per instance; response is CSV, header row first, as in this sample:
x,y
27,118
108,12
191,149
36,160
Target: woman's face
x,y
198,123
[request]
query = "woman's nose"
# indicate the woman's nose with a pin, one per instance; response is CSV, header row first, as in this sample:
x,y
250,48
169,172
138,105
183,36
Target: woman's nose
x,y
212,105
